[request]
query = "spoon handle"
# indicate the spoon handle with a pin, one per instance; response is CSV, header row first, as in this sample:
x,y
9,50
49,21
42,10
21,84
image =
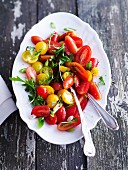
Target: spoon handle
x,y
89,149
108,119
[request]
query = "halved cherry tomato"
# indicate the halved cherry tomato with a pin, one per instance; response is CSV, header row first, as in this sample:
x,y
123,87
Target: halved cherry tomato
x,y
68,82
71,44
94,62
41,111
42,91
67,50
61,114
31,73
37,66
83,101
55,37
36,39
94,91
80,71
83,55
53,46
51,120
63,126
57,86
83,87
78,41
76,81
67,96
45,57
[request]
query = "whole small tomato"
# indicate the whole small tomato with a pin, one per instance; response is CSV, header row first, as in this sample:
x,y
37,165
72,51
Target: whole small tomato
x,y
55,37
41,111
36,39
72,111
61,114
41,47
78,41
94,91
57,86
83,55
51,120
52,100
83,87
31,73
68,82
42,91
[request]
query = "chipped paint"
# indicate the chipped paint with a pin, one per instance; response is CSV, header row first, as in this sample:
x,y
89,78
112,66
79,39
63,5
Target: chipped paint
x,y
64,166
51,4
115,62
17,9
81,143
17,32
115,9
63,147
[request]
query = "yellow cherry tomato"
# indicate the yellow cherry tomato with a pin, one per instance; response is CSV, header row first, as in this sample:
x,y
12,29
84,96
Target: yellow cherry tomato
x,y
28,57
42,78
52,100
50,90
37,66
41,47
67,97
66,74
89,75
95,71
64,69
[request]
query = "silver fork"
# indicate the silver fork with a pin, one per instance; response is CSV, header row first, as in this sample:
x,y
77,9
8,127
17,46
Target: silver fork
x,y
89,148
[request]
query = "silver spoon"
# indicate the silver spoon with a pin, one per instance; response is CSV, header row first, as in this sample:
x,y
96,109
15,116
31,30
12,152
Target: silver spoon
x,y
89,149
108,119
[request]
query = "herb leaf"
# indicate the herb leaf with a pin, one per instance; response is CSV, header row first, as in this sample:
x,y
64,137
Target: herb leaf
x,y
71,130
69,29
53,25
101,80
89,65
64,59
40,122
22,70
16,79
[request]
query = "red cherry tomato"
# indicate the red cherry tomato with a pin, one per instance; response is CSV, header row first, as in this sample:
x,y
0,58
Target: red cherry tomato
x,y
67,50
36,39
53,46
94,91
63,126
70,44
94,62
83,55
61,114
51,120
31,73
41,111
80,71
55,37
57,86
68,82
45,57
78,41
83,87
76,81
83,101
62,37
72,111
42,91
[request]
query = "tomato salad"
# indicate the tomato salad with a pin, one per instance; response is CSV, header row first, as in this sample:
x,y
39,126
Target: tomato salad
x,y
51,98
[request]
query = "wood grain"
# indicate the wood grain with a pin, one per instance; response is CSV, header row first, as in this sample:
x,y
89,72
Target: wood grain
x,y
109,19
17,142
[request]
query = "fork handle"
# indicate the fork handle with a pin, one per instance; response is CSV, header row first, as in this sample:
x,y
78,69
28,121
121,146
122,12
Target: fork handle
x,y
108,119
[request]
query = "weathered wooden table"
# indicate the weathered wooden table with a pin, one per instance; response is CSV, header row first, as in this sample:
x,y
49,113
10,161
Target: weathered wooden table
x,y
22,149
